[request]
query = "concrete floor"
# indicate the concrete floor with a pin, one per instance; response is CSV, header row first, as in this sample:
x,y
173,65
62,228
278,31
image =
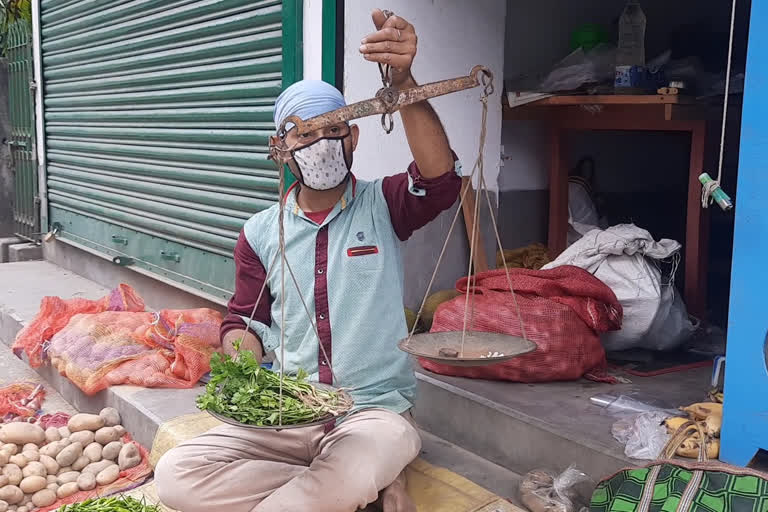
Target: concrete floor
x,y
548,425
564,407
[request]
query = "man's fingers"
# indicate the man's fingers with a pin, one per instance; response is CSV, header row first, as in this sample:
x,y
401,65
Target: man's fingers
x,y
396,61
389,34
379,18
396,22
389,47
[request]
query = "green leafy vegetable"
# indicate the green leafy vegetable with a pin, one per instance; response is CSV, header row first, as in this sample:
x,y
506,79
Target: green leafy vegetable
x,y
115,504
243,390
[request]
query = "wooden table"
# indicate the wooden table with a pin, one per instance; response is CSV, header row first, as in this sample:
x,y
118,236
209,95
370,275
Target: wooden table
x,y
628,112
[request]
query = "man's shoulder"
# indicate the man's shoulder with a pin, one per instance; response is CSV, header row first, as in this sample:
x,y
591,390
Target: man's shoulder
x,y
369,190
260,221
264,216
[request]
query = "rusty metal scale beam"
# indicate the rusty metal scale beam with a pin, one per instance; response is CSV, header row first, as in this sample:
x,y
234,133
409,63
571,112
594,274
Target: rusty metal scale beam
x,y
389,100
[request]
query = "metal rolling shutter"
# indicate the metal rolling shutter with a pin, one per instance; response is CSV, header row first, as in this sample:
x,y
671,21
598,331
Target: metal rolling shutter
x,y
156,120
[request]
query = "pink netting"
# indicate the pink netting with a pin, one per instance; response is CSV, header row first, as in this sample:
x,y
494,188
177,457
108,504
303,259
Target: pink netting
x,y
562,309
20,400
120,345
56,312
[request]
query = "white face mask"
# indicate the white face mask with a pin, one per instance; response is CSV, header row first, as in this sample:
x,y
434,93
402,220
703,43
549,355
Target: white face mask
x,y
322,165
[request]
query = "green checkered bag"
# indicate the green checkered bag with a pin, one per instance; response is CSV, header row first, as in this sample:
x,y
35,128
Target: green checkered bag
x,y
675,486
680,486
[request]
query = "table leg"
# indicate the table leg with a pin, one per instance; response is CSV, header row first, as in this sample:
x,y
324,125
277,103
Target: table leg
x,y
558,195
697,230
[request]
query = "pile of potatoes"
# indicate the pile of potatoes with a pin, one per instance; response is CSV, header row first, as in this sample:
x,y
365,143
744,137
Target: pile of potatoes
x,y
40,466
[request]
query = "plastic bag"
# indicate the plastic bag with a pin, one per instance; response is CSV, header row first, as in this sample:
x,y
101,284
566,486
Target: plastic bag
x,y
644,435
581,68
545,491
671,326
631,404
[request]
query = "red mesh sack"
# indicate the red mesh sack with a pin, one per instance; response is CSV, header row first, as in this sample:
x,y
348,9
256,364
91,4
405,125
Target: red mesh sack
x,y
562,310
171,348
110,341
56,312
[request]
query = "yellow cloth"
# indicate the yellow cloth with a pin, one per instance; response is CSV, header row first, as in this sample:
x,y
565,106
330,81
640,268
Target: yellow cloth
x,y
433,489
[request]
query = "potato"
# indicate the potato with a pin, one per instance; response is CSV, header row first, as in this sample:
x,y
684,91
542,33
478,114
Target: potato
x,y
44,498
51,479
3,506
53,486
10,449
64,432
69,476
106,435
4,458
120,430
52,434
31,455
80,463
3,481
129,457
22,433
86,481
67,490
32,484
96,467
30,447
82,421
69,454
18,459
13,472
93,452
108,475
11,494
111,416
112,450
65,469
50,465
22,509
34,468
84,437
53,449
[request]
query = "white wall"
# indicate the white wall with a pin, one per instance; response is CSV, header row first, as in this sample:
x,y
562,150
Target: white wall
x,y
313,39
454,36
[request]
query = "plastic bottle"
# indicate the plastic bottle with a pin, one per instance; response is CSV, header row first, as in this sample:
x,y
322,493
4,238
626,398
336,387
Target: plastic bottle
x,y
631,47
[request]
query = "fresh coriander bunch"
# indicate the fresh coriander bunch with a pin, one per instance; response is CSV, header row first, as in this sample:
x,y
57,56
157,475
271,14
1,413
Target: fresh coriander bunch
x,y
241,389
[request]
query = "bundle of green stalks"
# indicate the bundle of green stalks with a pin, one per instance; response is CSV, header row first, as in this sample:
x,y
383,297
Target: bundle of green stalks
x,y
114,504
241,389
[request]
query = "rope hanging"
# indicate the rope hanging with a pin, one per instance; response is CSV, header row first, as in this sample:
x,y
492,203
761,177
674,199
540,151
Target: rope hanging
x,y
482,189
711,190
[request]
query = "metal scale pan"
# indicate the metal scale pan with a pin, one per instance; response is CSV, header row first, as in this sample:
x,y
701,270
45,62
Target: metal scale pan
x,y
445,347
318,422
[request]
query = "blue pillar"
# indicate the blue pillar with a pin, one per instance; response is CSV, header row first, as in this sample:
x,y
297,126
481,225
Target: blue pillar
x,y
745,427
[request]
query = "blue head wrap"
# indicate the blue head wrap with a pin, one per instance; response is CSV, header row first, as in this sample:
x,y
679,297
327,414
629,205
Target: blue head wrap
x,y
306,99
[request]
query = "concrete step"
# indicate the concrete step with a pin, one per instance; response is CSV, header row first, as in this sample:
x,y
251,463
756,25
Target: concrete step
x,y
486,474
533,426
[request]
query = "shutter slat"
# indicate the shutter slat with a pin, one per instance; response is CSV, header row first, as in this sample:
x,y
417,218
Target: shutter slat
x,y
157,119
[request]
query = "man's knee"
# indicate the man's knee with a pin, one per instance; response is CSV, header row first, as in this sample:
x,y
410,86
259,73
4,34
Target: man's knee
x,y
173,488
